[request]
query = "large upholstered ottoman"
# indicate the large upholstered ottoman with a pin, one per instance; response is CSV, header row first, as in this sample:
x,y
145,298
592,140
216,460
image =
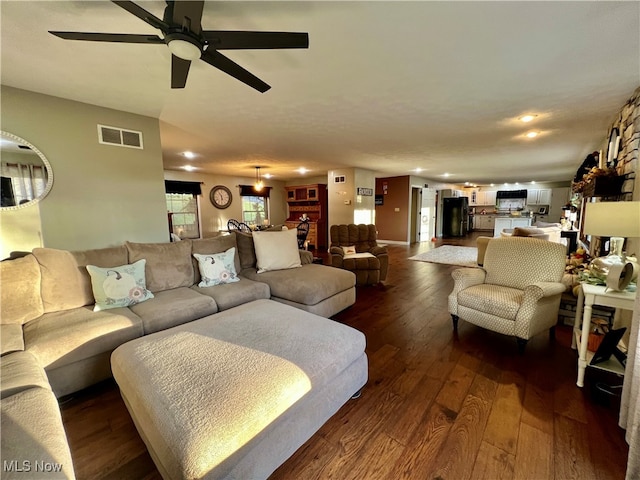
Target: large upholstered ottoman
x,y
235,394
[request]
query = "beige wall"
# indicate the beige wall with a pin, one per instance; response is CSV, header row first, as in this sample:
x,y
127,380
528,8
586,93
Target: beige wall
x,y
213,219
345,206
102,195
338,194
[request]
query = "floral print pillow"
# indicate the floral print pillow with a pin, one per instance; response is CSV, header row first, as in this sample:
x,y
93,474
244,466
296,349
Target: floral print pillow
x,y
121,286
217,268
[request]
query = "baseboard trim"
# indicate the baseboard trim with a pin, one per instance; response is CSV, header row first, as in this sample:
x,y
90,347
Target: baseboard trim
x,y
395,242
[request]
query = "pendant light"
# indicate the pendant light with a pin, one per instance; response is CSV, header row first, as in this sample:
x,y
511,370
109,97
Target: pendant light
x,y
259,185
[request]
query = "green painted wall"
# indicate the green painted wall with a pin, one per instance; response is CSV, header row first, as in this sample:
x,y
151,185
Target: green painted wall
x,y
102,195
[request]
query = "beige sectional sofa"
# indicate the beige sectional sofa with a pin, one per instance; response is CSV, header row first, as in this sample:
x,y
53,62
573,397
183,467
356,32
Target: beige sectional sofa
x,y
48,323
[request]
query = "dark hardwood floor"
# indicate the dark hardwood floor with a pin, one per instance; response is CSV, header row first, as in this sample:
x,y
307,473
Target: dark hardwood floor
x,y
437,405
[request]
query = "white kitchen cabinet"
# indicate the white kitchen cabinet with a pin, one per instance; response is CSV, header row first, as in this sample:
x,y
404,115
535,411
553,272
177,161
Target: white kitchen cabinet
x,y
484,222
544,196
539,196
489,197
483,197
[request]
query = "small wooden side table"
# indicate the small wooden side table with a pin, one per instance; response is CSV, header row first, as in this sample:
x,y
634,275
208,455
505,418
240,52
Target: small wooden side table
x,y
588,296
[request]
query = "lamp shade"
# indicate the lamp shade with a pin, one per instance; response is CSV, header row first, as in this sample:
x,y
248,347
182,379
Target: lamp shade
x,y
612,219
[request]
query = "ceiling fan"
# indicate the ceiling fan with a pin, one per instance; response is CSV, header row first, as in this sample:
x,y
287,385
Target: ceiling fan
x,y
183,34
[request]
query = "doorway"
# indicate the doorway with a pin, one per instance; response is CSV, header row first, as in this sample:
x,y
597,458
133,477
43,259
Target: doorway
x,y
423,224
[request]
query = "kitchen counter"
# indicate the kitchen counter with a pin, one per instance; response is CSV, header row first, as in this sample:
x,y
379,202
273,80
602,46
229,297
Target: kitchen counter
x,y
501,214
508,222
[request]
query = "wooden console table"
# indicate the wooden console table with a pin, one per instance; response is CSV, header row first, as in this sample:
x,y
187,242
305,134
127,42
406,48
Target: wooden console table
x,y
588,296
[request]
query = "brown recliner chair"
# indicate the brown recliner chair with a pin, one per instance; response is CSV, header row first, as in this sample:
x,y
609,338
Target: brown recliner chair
x,y
369,262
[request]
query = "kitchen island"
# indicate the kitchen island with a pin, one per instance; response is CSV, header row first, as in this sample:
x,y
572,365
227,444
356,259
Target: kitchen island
x,y
510,222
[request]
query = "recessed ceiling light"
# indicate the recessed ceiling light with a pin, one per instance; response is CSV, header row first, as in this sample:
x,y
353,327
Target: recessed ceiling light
x,y
188,168
517,183
527,118
446,174
302,170
418,170
532,134
533,182
492,185
505,184
467,183
267,175
189,154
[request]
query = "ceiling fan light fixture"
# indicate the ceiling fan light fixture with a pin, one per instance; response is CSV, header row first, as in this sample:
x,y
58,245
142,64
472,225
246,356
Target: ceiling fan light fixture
x,y
184,49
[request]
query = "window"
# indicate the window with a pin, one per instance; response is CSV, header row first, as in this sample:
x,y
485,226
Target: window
x,y
22,183
182,208
254,209
183,214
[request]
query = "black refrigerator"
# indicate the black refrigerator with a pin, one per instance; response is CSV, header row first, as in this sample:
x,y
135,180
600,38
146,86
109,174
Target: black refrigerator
x,y
455,216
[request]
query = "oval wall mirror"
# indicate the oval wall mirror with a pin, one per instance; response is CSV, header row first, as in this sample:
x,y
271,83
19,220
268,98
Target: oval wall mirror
x,y
26,174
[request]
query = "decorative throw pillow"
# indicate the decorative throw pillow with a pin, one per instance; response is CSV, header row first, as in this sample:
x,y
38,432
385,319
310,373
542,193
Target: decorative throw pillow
x,y
119,286
217,268
349,250
276,250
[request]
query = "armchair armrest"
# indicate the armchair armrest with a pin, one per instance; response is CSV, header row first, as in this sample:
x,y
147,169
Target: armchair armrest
x,y
305,257
464,278
539,309
336,254
378,250
467,277
540,290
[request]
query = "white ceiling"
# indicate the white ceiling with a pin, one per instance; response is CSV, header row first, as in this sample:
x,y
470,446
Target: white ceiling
x,y
384,86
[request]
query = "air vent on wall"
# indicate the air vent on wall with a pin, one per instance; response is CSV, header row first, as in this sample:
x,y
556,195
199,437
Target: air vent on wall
x,y
119,136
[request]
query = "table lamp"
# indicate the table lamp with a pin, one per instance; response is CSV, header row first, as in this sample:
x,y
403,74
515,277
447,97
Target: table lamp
x,y
618,220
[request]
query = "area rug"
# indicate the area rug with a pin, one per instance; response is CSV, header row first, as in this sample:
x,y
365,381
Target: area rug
x,y
450,255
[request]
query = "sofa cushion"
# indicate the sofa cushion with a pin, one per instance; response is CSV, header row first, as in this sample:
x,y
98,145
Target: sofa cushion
x,y
307,285
32,431
11,338
61,338
20,371
362,236
217,268
246,250
65,281
120,286
20,293
218,244
173,307
276,250
168,266
503,302
228,296
241,372
527,232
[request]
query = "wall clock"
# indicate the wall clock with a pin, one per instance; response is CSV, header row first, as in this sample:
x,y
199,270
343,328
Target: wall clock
x,y
220,196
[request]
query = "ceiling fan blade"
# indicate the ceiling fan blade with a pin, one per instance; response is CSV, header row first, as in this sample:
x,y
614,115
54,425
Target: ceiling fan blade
x,y
108,37
228,66
179,71
191,10
142,14
233,40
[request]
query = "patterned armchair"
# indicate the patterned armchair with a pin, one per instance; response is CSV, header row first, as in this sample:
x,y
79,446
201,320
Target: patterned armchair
x,y
518,290
354,247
